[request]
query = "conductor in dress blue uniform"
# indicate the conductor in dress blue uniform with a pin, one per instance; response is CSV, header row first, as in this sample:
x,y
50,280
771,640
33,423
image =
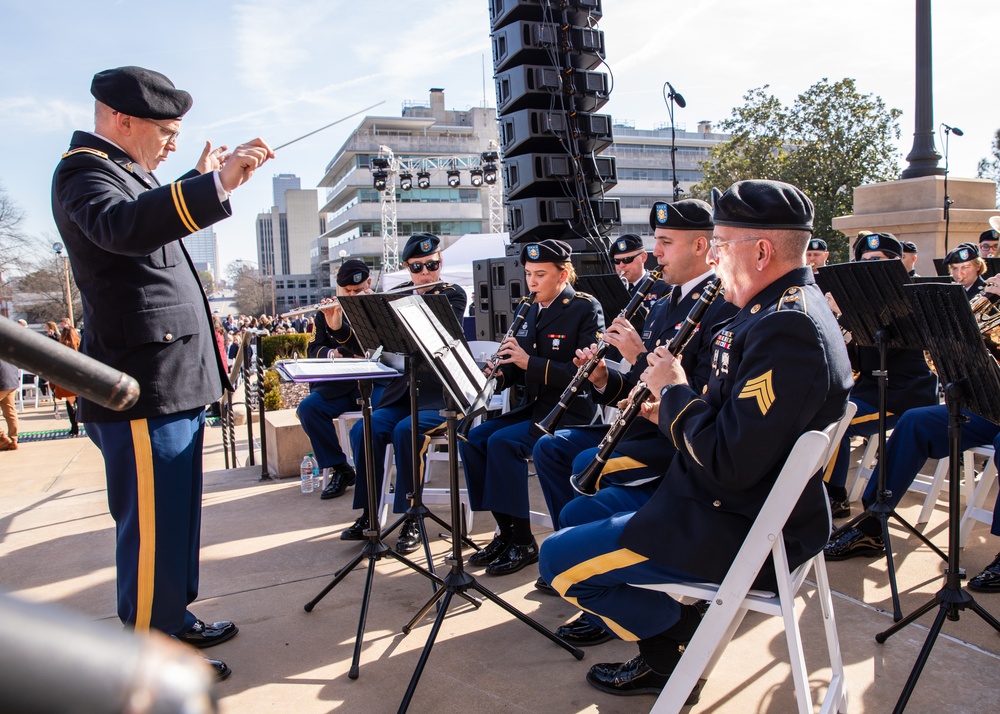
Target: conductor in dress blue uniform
x,y
911,382
392,421
539,356
332,336
682,232
779,368
147,315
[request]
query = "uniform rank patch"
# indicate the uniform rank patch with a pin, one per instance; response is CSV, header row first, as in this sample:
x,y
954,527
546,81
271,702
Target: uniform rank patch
x,y
760,388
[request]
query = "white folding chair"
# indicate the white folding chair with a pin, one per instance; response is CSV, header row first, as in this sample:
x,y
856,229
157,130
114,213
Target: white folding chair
x,y
933,486
27,388
733,598
975,509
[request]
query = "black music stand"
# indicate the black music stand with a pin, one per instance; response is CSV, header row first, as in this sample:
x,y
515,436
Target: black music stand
x,y
454,365
972,379
379,326
374,323
877,313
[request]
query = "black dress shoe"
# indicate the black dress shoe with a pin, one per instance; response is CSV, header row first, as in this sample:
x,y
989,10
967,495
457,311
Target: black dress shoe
x,y
202,635
487,555
543,587
357,530
840,509
221,668
409,537
988,581
633,677
583,634
342,477
514,558
853,543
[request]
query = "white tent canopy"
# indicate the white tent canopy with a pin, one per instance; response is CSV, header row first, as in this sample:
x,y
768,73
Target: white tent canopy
x,y
458,258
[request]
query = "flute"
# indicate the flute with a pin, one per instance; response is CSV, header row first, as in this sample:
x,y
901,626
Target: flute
x,y
587,481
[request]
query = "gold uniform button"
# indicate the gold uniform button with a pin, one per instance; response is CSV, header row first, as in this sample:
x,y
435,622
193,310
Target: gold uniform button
x,y
716,503
167,337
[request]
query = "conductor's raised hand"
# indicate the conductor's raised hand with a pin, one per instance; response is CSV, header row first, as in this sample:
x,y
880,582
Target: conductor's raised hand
x,y
245,159
212,159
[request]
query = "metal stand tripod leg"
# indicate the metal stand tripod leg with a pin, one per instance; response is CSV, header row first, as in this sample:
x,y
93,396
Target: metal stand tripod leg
x,y
458,581
374,549
952,598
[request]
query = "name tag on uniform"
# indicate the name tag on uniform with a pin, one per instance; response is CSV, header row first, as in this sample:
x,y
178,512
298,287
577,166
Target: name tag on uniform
x,y
523,331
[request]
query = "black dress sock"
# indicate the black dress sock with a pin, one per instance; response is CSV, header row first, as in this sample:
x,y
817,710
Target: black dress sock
x,y
522,531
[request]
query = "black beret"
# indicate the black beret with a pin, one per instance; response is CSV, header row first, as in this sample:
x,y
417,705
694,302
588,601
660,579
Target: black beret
x,y
989,235
547,251
626,244
420,244
691,214
141,93
909,246
962,253
763,204
352,272
885,242
817,244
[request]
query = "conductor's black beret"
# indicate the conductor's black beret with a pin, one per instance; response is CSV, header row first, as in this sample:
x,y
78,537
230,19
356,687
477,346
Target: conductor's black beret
x,y
626,244
885,242
420,244
763,204
547,251
691,214
141,93
352,272
962,253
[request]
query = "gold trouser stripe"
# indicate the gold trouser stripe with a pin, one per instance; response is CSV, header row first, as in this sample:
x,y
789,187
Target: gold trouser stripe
x,y
621,558
619,463
867,418
181,206
833,460
147,523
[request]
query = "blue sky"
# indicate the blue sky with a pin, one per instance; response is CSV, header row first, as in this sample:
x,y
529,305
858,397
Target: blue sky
x,y
281,68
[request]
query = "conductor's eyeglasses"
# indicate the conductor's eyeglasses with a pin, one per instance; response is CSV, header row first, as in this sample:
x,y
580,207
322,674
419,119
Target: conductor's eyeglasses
x,y
168,134
625,261
416,266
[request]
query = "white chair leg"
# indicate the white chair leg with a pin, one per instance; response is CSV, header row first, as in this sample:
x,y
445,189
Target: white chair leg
x,y
974,509
864,471
385,502
934,490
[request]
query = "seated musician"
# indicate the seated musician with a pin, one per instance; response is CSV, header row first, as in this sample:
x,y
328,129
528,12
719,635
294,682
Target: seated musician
x,y
817,253
967,268
920,434
779,368
911,382
392,421
539,356
332,337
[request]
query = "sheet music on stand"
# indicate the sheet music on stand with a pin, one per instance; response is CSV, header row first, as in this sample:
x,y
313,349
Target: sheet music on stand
x,y
951,334
376,326
332,370
870,296
442,347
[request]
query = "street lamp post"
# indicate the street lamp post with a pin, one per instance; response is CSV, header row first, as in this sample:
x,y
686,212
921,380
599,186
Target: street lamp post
x,y
58,248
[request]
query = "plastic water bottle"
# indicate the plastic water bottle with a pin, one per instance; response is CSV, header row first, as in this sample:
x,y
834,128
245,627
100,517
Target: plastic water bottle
x,y
317,480
306,473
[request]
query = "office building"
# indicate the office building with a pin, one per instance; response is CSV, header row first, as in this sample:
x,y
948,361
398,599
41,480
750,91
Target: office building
x,y
203,247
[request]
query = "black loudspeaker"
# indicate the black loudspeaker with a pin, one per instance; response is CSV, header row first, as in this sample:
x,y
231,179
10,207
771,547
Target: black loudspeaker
x,y
544,56
499,286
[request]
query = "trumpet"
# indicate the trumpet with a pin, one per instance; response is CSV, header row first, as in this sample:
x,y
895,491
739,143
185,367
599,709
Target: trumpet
x,y
986,308
549,423
588,480
484,396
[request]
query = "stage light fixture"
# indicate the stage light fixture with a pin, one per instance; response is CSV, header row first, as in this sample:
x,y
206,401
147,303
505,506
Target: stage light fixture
x,y
490,174
380,178
379,162
423,179
489,157
476,177
405,180
454,178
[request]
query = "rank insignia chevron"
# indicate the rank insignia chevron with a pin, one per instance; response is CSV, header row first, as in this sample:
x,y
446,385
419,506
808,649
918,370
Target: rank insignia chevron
x,y
760,389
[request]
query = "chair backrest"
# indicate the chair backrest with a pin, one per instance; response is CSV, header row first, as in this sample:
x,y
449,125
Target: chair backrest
x,y
811,453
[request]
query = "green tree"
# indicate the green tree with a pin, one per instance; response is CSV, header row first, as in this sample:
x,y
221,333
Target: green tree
x,y
989,166
207,281
832,139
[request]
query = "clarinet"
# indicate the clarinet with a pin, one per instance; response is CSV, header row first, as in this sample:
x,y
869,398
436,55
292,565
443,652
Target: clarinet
x,y
587,481
549,423
487,391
